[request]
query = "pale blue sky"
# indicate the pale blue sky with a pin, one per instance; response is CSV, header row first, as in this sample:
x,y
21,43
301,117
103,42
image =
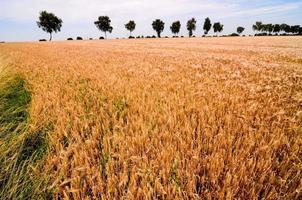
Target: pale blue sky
x,y
18,17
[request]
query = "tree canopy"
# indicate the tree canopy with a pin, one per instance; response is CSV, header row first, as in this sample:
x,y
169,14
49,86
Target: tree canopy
x,y
285,28
277,28
295,29
130,26
269,28
258,26
207,25
49,23
218,27
191,26
240,29
158,25
175,27
104,24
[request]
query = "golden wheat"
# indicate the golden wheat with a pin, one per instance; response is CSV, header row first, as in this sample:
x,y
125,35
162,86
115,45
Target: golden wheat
x,y
203,118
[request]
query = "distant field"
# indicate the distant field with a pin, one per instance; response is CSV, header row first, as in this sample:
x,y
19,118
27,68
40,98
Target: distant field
x,y
200,118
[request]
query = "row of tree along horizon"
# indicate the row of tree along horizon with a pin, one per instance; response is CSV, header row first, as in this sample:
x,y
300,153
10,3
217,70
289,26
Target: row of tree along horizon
x,y
52,24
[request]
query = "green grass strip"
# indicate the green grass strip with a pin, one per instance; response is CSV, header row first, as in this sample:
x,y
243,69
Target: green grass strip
x,y
21,149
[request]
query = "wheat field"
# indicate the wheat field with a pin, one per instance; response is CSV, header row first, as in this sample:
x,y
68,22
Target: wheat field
x,y
198,118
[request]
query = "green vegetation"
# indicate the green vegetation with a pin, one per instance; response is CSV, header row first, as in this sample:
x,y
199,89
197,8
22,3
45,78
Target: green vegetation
x,y
285,29
104,24
21,150
240,30
49,23
158,25
191,26
175,27
207,25
218,27
130,26
14,100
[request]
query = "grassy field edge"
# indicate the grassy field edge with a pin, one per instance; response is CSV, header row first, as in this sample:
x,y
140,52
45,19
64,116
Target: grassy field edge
x,y
22,150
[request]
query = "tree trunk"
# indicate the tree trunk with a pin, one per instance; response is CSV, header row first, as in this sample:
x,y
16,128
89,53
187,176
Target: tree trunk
x,y
158,34
50,38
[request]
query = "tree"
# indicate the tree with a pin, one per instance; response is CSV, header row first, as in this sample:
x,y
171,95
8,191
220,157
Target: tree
x,y
240,30
269,28
103,24
285,28
264,28
175,27
277,28
295,29
258,26
300,31
218,27
191,26
49,23
158,25
130,26
207,25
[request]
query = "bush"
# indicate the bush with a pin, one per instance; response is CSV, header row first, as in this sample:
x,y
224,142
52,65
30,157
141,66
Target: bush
x,y
148,36
2,42
182,36
234,35
101,38
138,37
90,38
69,38
193,36
166,37
261,34
42,40
79,38
131,37
153,36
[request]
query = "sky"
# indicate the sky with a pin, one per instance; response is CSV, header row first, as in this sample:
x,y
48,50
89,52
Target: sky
x,y
18,17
